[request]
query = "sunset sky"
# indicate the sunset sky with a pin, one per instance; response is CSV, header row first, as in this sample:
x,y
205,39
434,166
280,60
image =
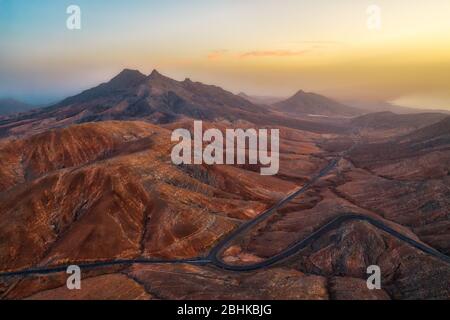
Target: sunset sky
x,y
273,47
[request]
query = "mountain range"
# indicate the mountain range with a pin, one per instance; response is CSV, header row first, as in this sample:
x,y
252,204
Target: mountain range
x,y
159,99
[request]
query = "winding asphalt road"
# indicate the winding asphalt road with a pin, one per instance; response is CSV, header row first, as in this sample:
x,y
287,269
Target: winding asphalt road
x,y
333,224
214,259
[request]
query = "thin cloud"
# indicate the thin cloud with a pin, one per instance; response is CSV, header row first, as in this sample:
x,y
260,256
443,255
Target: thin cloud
x,y
273,53
320,44
217,54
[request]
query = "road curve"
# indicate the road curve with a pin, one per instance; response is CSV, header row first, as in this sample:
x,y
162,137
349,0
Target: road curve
x,y
222,244
333,224
214,259
212,256
217,262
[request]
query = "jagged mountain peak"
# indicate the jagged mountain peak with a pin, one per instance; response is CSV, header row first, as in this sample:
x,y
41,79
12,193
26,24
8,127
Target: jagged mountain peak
x,y
130,72
300,92
154,74
127,78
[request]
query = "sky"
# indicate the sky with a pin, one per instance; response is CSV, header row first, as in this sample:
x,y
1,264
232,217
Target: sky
x,y
261,47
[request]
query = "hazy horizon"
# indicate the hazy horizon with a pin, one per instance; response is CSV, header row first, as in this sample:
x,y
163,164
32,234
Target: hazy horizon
x,y
47,101
264,49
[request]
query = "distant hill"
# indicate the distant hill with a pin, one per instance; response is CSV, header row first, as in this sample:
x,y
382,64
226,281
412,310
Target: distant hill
x,y
10,106
418,143
390,120
267,100
380,106
439,130
308,103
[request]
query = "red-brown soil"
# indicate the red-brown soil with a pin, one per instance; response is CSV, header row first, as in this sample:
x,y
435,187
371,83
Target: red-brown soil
x,y
91,179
